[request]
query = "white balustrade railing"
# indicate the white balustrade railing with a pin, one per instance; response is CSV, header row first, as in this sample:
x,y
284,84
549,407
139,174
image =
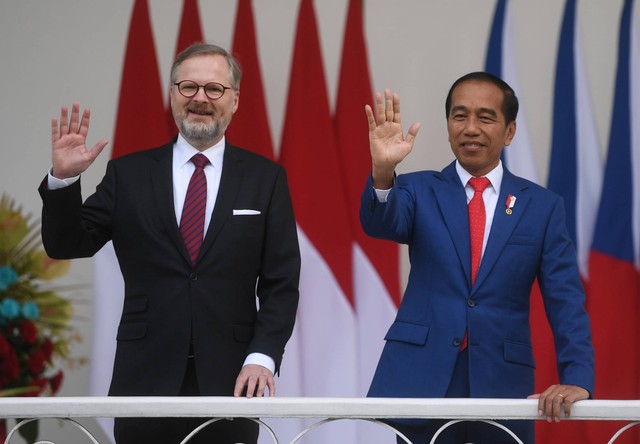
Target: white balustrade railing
x,y
368,409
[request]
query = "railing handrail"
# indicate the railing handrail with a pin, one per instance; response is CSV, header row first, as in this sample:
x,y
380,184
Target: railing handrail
x,y
305,407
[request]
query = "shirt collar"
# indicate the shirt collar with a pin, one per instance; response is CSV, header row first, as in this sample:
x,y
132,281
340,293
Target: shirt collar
x,y
494,176
184,151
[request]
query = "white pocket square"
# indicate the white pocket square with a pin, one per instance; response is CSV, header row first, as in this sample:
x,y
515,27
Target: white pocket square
x,y
245,212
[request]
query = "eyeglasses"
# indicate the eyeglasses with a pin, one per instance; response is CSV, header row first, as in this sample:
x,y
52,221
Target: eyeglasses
x,y
213,90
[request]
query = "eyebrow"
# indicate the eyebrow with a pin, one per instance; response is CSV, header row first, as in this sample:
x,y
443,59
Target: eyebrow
x,y
490,111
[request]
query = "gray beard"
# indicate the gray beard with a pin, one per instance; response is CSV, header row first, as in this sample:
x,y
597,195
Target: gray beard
x,y
200,135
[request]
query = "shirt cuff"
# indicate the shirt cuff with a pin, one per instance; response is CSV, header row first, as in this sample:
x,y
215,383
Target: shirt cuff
x,y
54,183
261,359
382,195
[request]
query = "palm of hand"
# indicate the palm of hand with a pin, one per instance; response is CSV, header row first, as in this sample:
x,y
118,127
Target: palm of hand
x,y
388,146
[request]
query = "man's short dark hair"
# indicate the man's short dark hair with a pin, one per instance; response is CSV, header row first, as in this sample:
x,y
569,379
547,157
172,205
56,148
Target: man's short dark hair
x,y
509,103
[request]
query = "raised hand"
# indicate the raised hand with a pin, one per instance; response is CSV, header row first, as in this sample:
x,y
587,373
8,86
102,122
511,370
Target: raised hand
x,y
69,153
388,144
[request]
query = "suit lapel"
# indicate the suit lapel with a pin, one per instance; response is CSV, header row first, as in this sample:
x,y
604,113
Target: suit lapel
x,y
229,187
503,223
452,201
161,173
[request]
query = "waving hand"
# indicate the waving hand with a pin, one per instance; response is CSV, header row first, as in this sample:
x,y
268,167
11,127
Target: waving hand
x,y
388,144
69,153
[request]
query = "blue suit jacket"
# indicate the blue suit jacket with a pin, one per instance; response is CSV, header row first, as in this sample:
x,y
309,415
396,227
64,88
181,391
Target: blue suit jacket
x,y
428,211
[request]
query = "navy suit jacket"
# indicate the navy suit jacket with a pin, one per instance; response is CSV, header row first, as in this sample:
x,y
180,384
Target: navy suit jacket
x,y
428,211
168,302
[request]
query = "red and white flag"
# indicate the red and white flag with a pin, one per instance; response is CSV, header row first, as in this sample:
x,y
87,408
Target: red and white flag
x,y
140,124
325,332
375,262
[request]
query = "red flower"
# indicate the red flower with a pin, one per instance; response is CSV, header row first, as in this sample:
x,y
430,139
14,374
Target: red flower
x,y
47,349
9,366
56,382
29,332
37,361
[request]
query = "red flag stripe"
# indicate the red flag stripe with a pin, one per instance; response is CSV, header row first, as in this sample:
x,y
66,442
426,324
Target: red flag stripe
x,y
310,155
252,112
190,32
354,91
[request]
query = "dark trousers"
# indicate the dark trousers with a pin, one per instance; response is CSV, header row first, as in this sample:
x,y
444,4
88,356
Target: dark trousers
x,y
174,430
422,432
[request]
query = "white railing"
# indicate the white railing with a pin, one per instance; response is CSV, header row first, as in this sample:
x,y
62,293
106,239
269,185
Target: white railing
x,y
368,409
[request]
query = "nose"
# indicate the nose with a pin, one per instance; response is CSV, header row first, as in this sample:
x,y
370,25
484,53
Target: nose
x,y
471,126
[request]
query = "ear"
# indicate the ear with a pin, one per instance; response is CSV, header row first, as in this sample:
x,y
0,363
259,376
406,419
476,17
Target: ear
x,y
510,133
236,101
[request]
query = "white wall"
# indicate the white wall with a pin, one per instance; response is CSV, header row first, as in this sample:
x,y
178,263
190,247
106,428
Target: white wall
x,y
57,52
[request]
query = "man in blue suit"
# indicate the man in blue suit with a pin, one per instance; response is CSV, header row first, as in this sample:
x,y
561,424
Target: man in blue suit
x,y
461,332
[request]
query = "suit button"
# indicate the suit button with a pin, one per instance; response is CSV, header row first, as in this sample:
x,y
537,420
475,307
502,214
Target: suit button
x,y
471,303
193,276
457,342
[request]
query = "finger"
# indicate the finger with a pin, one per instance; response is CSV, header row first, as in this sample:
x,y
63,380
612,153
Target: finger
x,y
413,132
75,118
97,149
262,384
567,406
557,402
84,123
251,386
370,118
388,105
380,107
55,130
240,383
64,121
271,383
396,108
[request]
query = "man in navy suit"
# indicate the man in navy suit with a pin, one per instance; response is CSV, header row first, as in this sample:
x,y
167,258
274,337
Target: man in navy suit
x,y
456,335
190,325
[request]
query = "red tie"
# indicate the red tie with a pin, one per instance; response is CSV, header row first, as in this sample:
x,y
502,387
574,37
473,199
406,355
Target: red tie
x,y
477,222
195,204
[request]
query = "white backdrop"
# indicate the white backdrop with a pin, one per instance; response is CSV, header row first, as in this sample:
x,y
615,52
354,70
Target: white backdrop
x,y
54,53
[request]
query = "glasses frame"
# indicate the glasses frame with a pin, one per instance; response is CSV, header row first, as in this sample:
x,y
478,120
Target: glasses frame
x,y
204,88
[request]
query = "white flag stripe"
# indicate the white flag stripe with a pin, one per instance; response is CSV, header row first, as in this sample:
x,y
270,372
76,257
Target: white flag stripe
x,y
375,313
519,155
108,299
325,333
589,160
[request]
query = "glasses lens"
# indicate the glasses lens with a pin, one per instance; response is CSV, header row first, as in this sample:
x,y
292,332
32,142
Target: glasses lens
x,y
214,90
188,88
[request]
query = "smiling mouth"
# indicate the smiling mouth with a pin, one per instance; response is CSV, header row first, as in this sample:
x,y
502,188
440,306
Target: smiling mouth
x,y
472,146
200,111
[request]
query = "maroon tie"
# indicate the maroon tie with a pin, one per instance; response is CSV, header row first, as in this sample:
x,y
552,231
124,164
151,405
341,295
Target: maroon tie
x,y
477,222
195,204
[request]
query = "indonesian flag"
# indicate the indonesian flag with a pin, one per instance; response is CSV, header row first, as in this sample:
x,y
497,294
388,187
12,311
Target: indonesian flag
x,y
376,268
325,331
614,265
575,172
140,124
